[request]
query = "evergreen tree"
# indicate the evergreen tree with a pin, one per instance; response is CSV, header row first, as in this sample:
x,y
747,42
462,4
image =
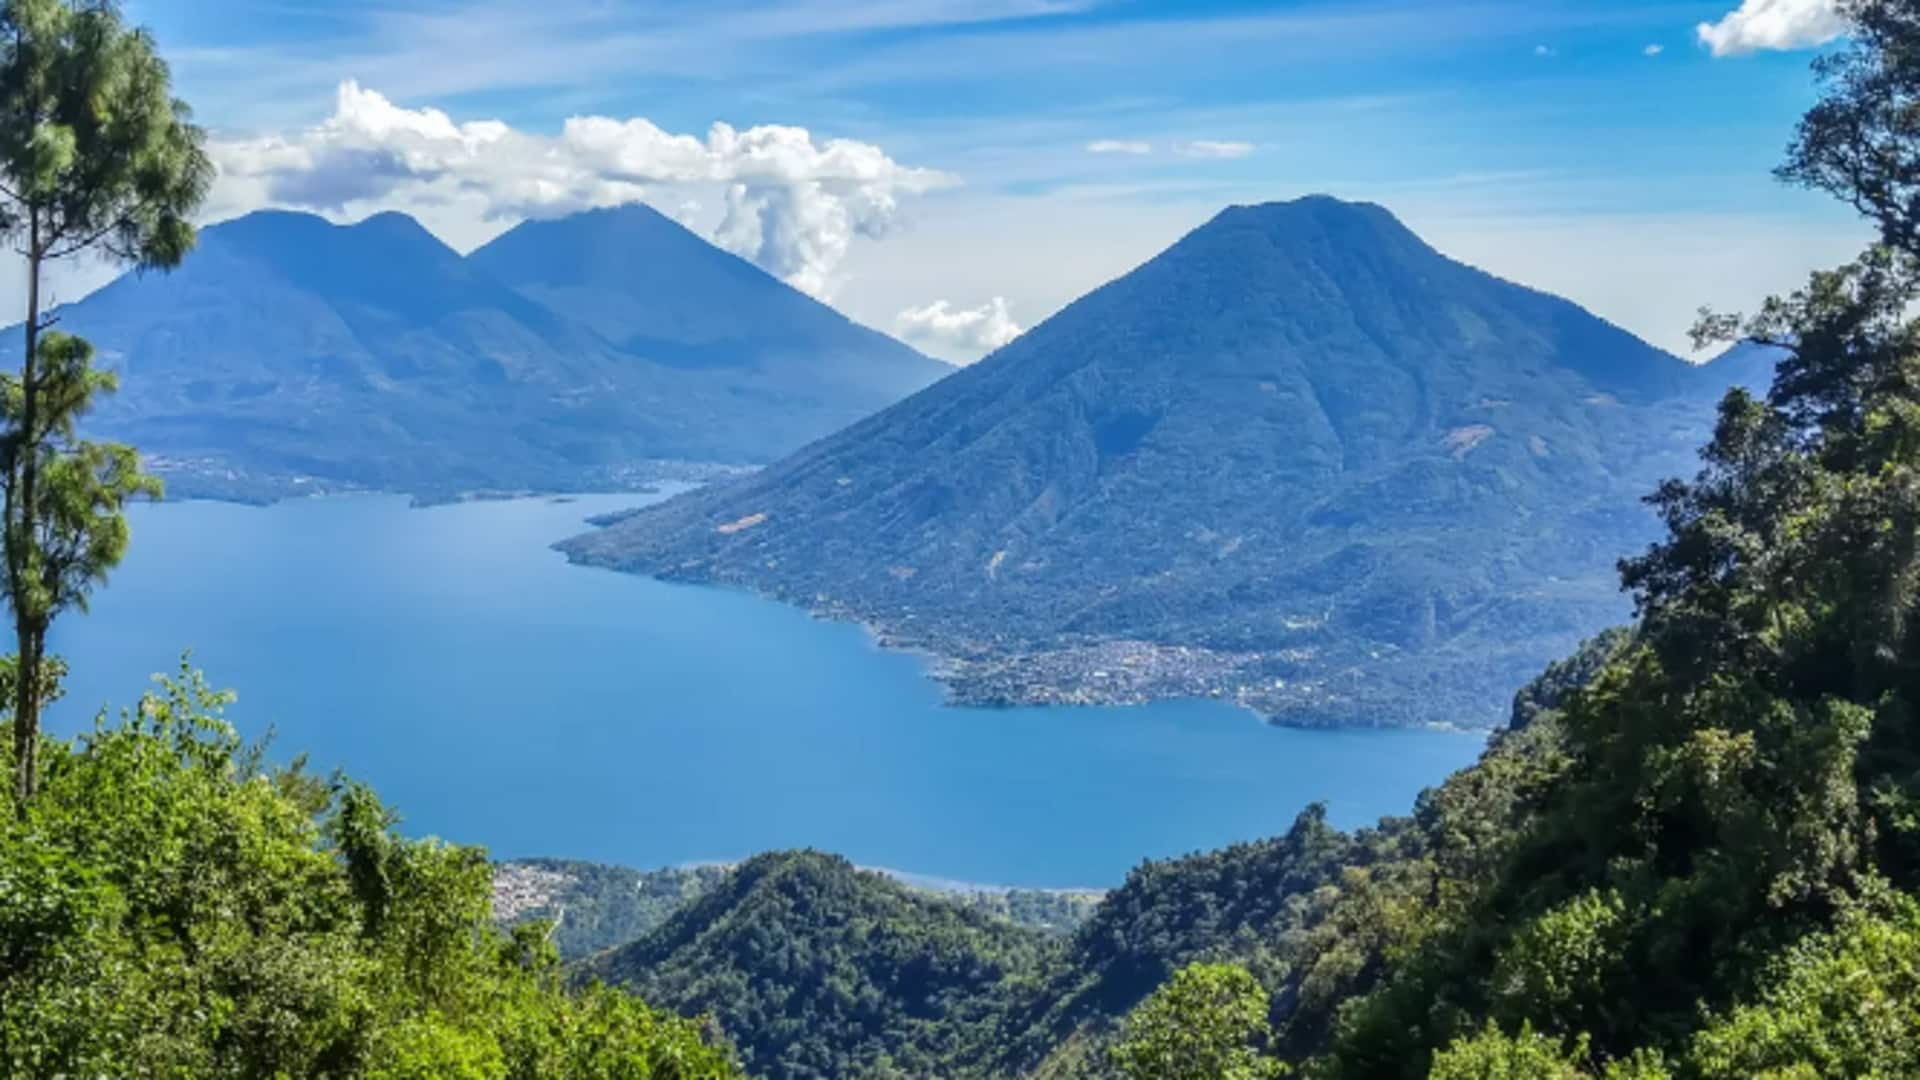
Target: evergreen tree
x,y
96,157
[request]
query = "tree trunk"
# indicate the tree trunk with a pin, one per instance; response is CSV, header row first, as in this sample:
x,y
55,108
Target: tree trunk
x,y
19,543
26,723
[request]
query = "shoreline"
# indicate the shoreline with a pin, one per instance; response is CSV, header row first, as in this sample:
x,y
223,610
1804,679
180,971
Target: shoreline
x,y
998,681
920,882
206,480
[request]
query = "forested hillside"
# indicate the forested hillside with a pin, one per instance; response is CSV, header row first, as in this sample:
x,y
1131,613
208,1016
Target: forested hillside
x,y
815,969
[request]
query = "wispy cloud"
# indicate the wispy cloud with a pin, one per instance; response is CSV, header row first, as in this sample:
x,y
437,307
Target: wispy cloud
x,y
1119,146
1214,149
461,47
1156,48
858,16
529,61
1653,50
793,203
1758,25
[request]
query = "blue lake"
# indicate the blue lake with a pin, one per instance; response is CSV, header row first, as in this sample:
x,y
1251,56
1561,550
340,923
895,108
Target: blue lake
x,y
496,695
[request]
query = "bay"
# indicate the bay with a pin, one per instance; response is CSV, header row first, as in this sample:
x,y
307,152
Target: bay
x,y
495,694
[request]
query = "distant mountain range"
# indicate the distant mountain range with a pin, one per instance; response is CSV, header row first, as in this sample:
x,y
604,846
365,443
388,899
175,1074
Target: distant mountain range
x,y
1300,460
582,353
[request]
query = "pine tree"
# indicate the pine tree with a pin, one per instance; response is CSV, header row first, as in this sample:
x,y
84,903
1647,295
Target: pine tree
x,y
96,158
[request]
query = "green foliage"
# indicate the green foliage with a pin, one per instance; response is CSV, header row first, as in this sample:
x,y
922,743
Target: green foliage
x,y
1845,1002
1491,1055
1209,1022
79,532
1565,963
168,909
1170,914
1857,142
817,970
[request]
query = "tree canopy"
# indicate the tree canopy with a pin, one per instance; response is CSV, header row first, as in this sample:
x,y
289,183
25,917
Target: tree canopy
x,y
171,906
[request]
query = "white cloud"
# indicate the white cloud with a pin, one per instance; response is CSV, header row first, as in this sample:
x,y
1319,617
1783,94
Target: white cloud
x,y
1544,51
1653,50
1119,146
792,203
1774,24
975,330
1209,148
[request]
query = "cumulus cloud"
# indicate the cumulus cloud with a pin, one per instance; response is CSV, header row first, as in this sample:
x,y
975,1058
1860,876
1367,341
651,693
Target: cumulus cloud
x,y
1653,50
1774,24
1119,146
980,329
792,203
1209,148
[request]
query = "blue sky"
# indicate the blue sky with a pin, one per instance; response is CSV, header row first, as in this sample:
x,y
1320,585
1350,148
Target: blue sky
x,y
1028,150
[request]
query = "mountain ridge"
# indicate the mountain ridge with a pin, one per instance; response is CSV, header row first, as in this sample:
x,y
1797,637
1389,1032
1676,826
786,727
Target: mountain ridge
x,y
294,351
1300,460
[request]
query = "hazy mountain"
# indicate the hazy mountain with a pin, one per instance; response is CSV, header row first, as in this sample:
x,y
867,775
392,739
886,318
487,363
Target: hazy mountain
x,y
1747,366
566,354
656,291
1300,459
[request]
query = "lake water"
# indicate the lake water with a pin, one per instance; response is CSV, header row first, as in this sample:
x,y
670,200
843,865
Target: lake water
x,y
495,694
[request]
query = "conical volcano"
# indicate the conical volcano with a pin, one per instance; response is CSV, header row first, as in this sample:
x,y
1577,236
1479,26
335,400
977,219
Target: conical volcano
x,y
1300,459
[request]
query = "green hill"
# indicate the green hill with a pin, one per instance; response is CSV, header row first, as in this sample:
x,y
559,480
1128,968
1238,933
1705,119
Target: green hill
x,y
816,970
595,906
